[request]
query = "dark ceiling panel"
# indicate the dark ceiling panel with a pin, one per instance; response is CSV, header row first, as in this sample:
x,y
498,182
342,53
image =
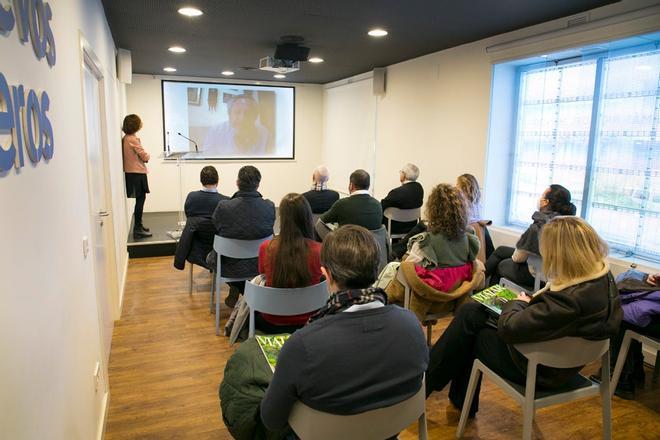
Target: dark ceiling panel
x,y
236,33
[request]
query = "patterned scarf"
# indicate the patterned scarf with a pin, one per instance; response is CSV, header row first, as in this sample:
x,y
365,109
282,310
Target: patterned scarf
x,y
320,186
340,301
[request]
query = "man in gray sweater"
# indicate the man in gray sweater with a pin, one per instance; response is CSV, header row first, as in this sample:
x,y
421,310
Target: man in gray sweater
x,y
357,353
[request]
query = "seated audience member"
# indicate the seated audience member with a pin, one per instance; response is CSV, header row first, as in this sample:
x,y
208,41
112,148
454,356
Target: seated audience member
x,y
290,260
640,298
357,353
469,186
580,299
358,209
511,263
246,216
202,203
409,195
321,198
443,255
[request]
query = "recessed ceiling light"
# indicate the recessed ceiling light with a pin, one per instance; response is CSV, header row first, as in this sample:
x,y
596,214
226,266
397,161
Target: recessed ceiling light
x,y
227,72
644,67
177,49
190,12
169,69
279,76
315,60
377,32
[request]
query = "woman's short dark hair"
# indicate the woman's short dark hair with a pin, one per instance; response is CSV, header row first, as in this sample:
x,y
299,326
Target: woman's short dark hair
x,y
209,175
559,200
360,179
132,123
351,255
249,178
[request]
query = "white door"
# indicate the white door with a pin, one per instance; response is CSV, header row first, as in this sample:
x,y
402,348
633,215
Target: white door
x,y
102,240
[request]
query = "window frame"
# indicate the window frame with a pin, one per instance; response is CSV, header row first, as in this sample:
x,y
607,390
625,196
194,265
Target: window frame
x,y
598,93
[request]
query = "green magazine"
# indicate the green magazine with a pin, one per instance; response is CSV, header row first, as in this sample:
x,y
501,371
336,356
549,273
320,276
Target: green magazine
x,y
495,297
270,346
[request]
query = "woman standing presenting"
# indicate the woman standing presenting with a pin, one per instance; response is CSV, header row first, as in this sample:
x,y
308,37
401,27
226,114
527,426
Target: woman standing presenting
x,y
135,170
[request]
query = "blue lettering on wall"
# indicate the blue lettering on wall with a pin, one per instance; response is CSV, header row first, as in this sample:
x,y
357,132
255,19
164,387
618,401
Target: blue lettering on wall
x,y
26,122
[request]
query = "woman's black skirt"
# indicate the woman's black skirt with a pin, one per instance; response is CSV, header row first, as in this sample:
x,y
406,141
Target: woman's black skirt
x,y
136,185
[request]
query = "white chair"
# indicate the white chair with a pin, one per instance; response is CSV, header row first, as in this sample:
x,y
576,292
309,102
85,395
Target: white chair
x,y
284,302
232,248
376,424
536,262
400,215
567,352
623,353
190,279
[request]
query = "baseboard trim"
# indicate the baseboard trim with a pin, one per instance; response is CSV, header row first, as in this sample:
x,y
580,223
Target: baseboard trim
x,y
100,433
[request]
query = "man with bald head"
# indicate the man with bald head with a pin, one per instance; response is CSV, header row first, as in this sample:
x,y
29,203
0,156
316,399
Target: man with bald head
x,y
321,198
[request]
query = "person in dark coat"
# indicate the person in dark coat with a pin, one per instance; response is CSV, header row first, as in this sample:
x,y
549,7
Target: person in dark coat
x,y
580,300
409,195
321,198
202,203
246,216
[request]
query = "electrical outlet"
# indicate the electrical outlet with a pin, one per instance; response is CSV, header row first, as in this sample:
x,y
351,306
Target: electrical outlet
x,y
97,377
85,246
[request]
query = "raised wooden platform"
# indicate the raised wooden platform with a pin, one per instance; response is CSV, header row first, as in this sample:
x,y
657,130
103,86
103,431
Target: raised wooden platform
x,y
158,245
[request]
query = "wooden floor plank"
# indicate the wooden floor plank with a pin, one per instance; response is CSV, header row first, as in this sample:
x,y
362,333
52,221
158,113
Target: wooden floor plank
x,y
166,364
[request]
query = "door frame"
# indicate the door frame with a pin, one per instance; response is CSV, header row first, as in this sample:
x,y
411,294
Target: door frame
x,y
87,57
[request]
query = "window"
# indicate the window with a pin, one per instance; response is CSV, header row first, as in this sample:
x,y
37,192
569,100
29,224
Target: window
x,y
593,126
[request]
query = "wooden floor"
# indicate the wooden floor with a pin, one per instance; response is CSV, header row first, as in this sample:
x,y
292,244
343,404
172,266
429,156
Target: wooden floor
x,y
166,364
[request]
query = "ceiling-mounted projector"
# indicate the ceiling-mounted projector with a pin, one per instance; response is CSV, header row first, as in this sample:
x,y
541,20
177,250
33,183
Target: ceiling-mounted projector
x,y
288,55
279,66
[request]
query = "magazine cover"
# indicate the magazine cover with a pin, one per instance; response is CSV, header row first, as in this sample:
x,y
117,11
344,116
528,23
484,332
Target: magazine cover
x,y
495,297
270,346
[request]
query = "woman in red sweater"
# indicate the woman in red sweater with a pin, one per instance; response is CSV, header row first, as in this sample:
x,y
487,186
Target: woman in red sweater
x,y
290,260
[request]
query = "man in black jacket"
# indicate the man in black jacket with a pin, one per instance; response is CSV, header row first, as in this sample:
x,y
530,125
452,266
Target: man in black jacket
x,y
358,209
409,195
321,198
246,216
202,203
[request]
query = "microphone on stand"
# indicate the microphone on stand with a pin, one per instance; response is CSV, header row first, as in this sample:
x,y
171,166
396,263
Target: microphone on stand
x,y
167,147
194,143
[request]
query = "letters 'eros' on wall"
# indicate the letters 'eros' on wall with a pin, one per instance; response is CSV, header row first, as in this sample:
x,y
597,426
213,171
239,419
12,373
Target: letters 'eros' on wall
x,y
23,111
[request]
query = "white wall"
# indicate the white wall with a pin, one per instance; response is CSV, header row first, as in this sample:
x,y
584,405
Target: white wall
x,y
436,107
278,177
49,324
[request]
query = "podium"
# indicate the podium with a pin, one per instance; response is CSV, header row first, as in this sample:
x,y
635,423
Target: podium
x,y
176,233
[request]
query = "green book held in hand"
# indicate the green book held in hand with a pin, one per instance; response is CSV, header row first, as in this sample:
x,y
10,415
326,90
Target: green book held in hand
x,y
270,346
495,297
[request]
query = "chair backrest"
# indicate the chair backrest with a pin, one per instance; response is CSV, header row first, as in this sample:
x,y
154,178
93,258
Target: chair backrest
x,y
537,263
566,352
376,424
403,215
381,238
235,248
286,302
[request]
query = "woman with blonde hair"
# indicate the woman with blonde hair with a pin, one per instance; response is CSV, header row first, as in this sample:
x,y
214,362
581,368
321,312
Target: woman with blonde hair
x,y
580,299
469,186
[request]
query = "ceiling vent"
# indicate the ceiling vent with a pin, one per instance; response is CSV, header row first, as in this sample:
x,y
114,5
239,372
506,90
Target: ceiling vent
x,y
577,20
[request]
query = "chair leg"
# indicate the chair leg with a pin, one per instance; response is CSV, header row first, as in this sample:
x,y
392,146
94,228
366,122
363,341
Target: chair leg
x,y
217,314
656,370
251,324
528,406
467,403
190,280
606,396
620,360
429,333
421,427
528,419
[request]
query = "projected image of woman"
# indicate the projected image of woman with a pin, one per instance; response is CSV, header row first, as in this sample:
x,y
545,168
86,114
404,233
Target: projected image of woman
x,y
241,135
